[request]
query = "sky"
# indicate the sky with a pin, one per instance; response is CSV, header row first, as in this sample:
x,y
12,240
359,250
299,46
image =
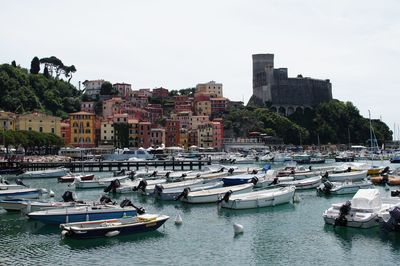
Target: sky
x,y
178,44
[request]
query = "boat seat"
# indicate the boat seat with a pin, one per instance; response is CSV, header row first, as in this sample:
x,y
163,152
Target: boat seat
x,y
146,217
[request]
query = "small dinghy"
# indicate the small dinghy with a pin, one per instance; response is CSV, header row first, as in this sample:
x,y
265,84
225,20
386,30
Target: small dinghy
x,y
21,193
363,211
113,227
347,176
149,189
260,198
97,182
176,193
28,206
338,188
5,185
137,185
48,173
86,213
242,179
70,177
311,182
215,194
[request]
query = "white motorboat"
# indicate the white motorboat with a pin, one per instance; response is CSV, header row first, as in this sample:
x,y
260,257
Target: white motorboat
x,y
260,198
150,188
338,188
363,211
22,193
48,173
347,176
139,184
311,182
177,193
5,185
97,182
215,194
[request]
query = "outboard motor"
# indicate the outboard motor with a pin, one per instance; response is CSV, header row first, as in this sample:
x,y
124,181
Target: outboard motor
x,y
349,169
395,193
154,174
113,186
105,199
325,176
230,171
19,182
128,203
385,170
254,172
142,186
184,194
226,196
132,175
254,180
3,181
393,224
274,182
310,167
385,178
158,189
343,211
327,187
68,196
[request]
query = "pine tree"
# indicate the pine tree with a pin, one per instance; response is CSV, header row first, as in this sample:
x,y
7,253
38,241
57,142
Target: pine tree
x,y
46,72
35,65
13,63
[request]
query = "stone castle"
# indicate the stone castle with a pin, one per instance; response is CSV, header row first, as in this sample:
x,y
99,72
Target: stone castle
x,y
285,95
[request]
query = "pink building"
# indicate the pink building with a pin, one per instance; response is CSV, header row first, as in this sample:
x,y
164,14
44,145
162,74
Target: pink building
x,y
112,106
123,89
218,106
157,136
218,135
160,92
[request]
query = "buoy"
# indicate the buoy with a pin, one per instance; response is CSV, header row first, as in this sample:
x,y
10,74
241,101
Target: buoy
x,y
238,229
44,191
296,198
387,187
51,193
112,233
178,219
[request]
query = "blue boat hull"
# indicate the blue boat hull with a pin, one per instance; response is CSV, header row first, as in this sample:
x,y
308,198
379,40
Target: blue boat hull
x,y
81,217
395,160
21,195
235,181
127,230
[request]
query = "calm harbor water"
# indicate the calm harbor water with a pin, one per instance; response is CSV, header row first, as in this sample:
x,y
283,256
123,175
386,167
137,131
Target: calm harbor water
x,y
289,234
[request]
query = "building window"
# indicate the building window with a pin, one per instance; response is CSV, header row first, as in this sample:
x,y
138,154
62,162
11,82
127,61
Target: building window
x,y
30,129
40,129
52,130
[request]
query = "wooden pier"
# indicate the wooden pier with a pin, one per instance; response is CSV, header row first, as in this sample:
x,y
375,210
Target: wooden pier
x,y
108,166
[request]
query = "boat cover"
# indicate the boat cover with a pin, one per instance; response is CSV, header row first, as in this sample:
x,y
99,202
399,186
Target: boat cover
x,y
366,199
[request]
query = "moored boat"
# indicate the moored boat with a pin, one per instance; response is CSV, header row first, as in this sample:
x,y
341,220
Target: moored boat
x,y
338,188
21,193
215,194
69,178
174,193
97,182
149,189
241,179
347,176
362,211
310,182
113,227
260,198
48,173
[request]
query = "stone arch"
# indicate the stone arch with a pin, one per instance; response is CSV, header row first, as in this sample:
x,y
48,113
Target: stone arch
x,y
273,109
300,109
282,111
290,110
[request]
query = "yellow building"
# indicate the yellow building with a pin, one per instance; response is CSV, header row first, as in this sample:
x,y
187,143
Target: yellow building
x,y
133,132
7,121
205,135
203,108
107,132
197,120
82,126
211,88
39,122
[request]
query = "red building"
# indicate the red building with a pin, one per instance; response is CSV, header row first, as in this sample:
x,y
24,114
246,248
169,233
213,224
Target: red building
x,y
218,106
144,134
183,104
66,131
218,135
160,92
155,112
172,133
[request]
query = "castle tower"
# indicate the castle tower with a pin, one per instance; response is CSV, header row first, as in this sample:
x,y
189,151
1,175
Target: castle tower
x,y
263,74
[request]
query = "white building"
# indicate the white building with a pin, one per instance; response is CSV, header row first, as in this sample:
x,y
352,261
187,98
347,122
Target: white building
x,y
92,87
211,88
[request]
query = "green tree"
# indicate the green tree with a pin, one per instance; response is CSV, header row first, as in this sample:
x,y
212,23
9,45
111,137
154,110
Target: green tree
x,y
108,89
35,65
46,72
13,63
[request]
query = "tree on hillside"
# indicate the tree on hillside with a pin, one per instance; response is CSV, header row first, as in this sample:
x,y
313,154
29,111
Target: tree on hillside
x,y
46,72
13,63
56,66
108,89
35,65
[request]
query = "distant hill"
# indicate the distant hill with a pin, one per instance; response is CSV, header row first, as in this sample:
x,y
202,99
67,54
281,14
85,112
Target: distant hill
x,y
22,91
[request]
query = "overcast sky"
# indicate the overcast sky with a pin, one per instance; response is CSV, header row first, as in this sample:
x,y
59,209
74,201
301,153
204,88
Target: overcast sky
x,y
177,44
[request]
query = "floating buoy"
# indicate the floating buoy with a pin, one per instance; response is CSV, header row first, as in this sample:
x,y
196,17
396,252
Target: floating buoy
x,y
112,233
296,198
178,219
238,229
51,193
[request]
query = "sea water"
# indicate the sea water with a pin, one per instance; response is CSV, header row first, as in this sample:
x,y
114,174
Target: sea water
x,y
291,234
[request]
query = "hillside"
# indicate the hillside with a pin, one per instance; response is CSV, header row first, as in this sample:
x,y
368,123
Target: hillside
x,y
23,92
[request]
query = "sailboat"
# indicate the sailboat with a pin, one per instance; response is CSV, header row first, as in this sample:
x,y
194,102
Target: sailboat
x,y
375,150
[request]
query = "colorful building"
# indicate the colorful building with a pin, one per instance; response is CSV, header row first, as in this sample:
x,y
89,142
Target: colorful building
x,y
7,121
197,120
133,126
211,88
157,137
218,106
160,93
93,87
144,134
107,132
218,135
87,107
184,118
82,126
172,133
112,106
39,122
205,136
124,89
66,132
202,105
183,104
